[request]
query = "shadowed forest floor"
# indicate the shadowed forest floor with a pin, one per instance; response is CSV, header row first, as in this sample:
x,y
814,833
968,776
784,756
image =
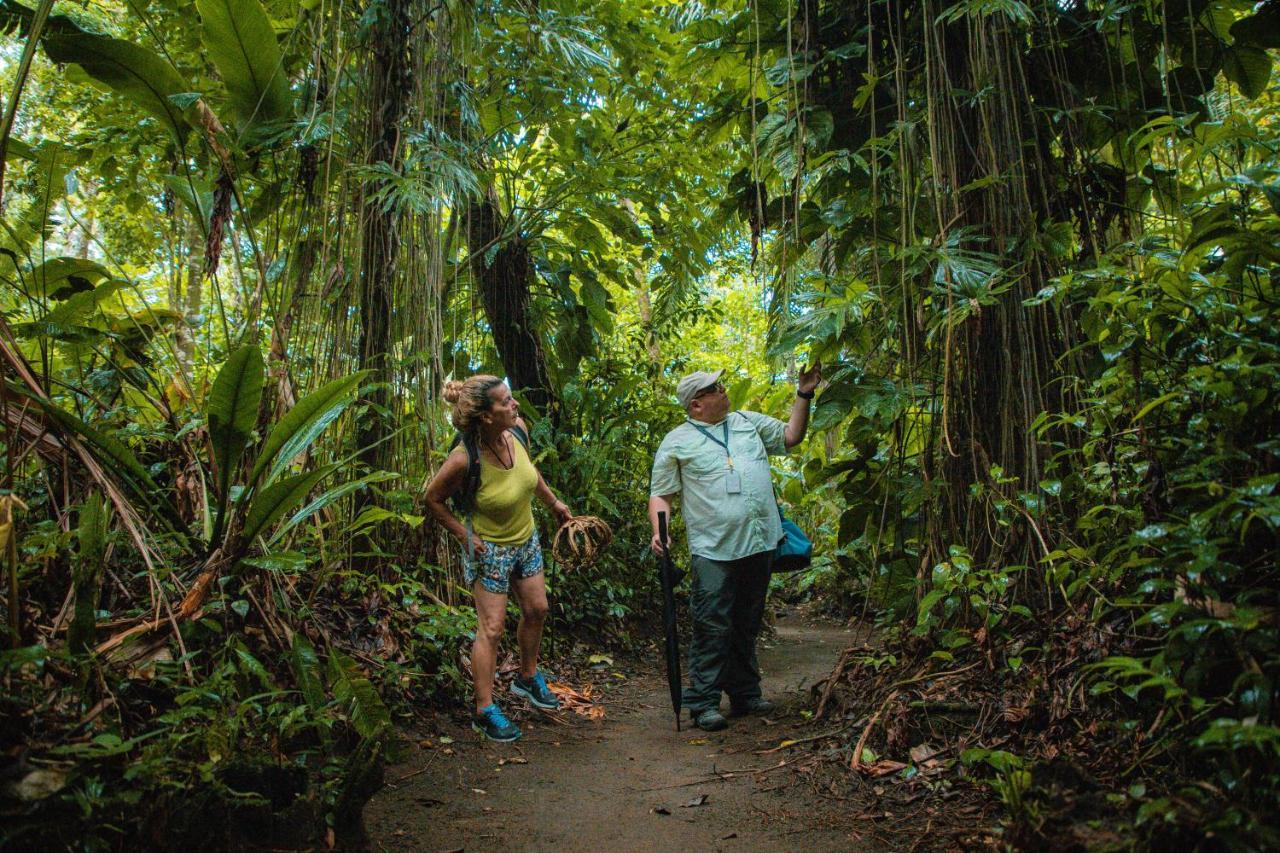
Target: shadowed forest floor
x,y
629,781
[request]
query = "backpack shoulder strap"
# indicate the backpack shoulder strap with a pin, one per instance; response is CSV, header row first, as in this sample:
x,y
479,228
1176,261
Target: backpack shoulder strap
x,y
464,498
519,433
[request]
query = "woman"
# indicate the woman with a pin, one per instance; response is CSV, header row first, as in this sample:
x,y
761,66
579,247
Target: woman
x,y
501,554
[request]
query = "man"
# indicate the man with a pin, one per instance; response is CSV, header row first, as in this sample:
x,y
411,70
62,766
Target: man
x,y
719,461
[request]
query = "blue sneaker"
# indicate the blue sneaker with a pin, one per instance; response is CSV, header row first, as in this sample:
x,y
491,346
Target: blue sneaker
x,y
535,690
494,725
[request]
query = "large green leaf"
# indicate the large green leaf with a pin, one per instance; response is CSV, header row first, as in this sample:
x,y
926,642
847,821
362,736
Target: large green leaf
x,y
365,708
301,424
242,45
129,70
330,497
232,412
306,669
1249,68
1261,29
278,498
82,304
195,193
62,278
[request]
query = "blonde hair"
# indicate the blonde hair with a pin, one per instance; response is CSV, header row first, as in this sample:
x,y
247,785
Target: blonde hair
x,y
470,399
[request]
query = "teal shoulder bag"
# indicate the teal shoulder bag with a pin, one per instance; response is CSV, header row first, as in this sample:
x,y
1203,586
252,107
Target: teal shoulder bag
x,y
795,551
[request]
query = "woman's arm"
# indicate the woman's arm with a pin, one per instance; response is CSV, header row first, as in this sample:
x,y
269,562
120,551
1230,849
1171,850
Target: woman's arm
x,y
448,480
558,507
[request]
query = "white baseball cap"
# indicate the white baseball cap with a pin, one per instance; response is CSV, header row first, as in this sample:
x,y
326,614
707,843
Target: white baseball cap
x,y
689,387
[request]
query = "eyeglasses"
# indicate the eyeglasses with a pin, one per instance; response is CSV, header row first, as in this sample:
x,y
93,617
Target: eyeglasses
x,y
717,388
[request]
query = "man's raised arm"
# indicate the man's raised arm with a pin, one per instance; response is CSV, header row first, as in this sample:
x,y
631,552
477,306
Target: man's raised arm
x,y
798,423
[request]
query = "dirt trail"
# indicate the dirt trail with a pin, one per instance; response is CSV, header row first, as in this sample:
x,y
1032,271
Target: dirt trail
x,y
578,784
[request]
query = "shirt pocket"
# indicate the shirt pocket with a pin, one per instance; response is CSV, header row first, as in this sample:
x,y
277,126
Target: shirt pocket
x,y
748,444
703,467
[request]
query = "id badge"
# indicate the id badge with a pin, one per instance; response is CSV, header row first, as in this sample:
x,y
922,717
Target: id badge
x,y
732,482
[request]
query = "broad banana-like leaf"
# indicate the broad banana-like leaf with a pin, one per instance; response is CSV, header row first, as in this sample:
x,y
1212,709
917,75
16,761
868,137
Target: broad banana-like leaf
x,y
301,424
278,498
232,412
365,708
128,69
328,498
241,43
306,668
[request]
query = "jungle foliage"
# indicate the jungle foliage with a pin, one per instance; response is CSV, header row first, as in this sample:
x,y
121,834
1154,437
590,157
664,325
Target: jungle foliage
x,y
1035,243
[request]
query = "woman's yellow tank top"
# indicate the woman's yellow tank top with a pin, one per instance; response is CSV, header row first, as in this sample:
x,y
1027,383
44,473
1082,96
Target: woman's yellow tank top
x,y
503,512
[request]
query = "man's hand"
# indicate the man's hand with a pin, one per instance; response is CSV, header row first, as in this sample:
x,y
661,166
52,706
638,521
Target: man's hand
x,y
659,504
809,378
656,545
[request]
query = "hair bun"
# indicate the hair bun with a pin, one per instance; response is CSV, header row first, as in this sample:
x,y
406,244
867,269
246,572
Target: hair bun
x,y
452,392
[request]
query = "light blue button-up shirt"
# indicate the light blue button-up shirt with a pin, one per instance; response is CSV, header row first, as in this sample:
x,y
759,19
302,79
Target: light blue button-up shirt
x,y
723,526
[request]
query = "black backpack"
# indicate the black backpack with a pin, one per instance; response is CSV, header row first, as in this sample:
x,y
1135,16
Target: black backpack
x,y
464,500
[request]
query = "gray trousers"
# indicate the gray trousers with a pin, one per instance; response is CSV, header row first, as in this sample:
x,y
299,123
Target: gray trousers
x,y
728,611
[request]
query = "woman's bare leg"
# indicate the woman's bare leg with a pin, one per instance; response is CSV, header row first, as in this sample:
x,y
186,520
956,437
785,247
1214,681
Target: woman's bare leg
x,y
491,608
531,595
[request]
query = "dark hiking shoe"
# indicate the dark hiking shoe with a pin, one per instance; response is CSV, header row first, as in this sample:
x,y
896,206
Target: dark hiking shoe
x,y
536,691
494,725
710,720
758,706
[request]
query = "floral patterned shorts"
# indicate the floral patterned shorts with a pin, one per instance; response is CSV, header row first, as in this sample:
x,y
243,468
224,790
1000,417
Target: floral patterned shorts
x,y
500,563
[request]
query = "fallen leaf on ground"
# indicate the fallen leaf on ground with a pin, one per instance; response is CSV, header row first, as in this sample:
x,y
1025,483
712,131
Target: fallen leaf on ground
x,y
604,659
1016,715
479,791
516,760
698,741
727,837
922,752
883,767
39,784
660,810
700,800
581,702
446,739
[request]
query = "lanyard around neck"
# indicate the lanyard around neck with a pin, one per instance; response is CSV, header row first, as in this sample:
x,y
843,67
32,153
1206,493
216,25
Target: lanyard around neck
x,y
725,444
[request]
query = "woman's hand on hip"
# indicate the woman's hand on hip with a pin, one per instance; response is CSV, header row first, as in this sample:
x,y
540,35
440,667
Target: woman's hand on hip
x,y
478,548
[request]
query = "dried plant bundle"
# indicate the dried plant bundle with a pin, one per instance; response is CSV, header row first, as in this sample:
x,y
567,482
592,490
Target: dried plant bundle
x,y
581,540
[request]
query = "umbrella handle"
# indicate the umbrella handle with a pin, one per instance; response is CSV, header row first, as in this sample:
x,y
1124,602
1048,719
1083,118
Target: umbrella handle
x,y
662,532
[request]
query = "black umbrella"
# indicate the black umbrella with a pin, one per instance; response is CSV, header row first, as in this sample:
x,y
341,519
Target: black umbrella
x,y
670,577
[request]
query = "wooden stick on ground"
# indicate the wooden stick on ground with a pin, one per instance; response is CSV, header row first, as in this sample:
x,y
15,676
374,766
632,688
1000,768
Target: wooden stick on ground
x,y
856,761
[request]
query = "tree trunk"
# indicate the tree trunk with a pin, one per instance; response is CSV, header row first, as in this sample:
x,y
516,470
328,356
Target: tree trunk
x,y
1003,363
504,282
390,91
